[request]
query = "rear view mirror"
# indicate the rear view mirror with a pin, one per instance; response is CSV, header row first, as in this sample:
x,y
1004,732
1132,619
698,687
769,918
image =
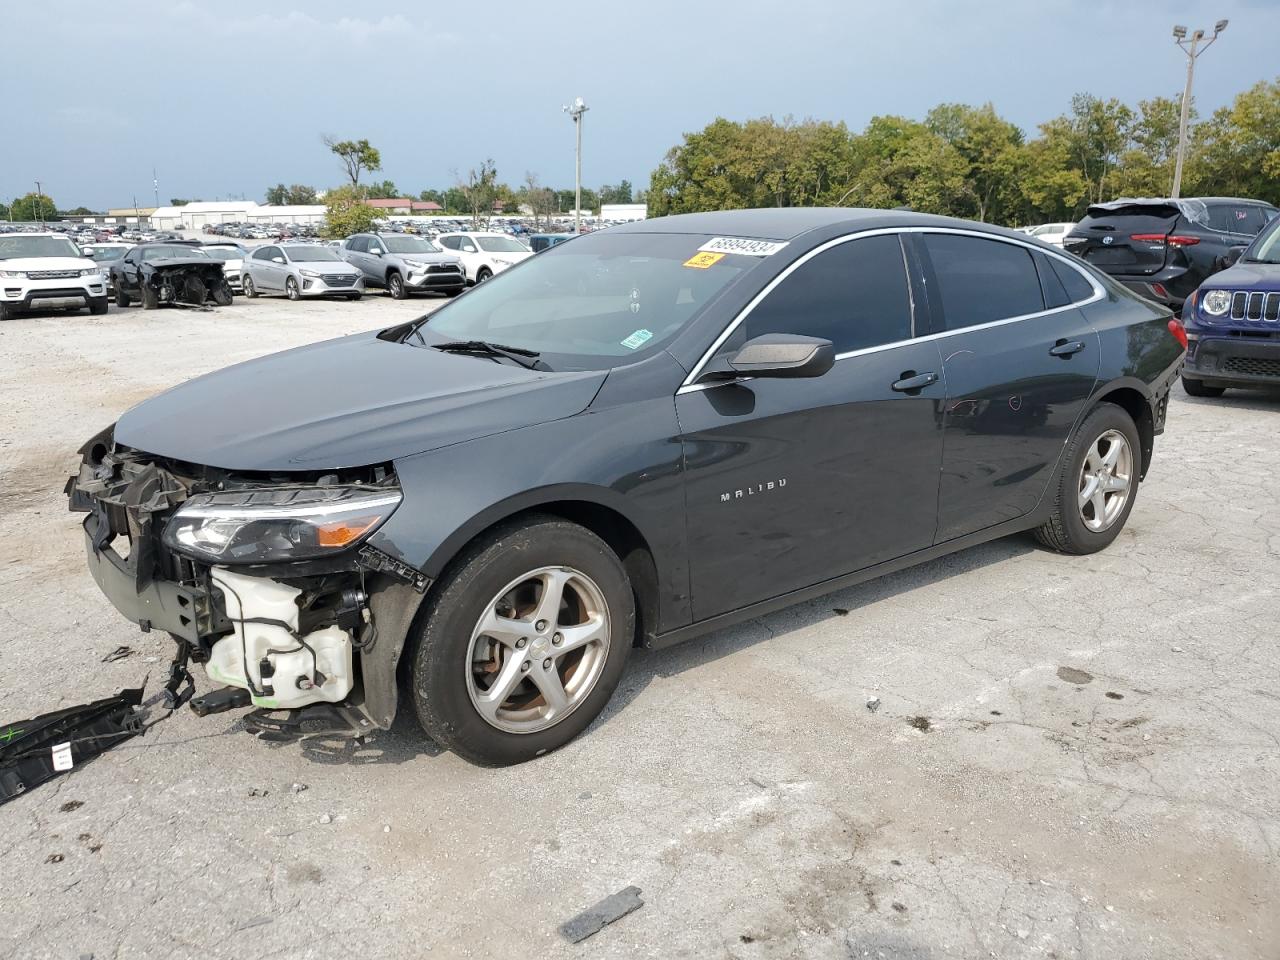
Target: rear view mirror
x,y
783,355
1231,256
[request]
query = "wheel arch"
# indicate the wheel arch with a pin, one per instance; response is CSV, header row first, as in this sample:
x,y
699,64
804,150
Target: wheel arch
x,y
1134,397
594,508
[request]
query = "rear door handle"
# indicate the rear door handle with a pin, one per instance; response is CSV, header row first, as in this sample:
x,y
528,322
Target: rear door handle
x,y
1066,348
912,381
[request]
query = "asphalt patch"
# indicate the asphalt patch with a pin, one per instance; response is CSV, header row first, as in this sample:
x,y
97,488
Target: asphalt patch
x,y
594,919
1072,675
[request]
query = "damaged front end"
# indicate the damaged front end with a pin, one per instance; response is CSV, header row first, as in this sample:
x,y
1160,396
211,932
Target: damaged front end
x,y
185,281
264,579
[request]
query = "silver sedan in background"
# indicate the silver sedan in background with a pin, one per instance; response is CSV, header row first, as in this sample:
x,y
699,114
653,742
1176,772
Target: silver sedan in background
x,y
300,270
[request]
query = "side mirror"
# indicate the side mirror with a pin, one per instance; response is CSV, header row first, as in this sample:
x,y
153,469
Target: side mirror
x,y
1231,256
375,252
779,355
277,259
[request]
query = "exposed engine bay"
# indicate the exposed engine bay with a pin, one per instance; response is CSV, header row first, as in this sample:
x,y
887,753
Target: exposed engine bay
x,y
262,579
184,281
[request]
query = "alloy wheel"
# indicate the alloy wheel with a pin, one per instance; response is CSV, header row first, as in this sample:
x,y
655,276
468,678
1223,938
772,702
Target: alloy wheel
x,y
538,649
291,289
1106,480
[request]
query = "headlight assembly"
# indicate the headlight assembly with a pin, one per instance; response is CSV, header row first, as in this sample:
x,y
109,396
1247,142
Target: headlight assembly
x,y
13,274
96,271
309,273
1216,302
277,524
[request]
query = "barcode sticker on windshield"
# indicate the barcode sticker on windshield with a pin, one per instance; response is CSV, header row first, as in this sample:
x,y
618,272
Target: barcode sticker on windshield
x,y
638,339
748,248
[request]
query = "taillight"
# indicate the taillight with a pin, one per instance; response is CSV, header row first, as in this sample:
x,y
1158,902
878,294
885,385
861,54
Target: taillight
x,y
1177,240
1179,332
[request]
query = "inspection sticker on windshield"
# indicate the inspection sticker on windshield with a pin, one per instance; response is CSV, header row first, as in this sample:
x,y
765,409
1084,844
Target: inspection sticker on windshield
x,y
748,248
701,261
638,339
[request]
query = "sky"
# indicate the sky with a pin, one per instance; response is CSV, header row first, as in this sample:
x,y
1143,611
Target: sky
x,y
225,99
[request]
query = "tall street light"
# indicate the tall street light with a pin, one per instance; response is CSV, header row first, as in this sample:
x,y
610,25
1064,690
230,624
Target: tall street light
x,y
39,204
576,111
1192,50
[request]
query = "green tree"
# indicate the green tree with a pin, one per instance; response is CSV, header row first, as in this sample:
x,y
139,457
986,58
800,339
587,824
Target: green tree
x,y
619,194
181,201
455,201
301,195
480,190
33,207
1237,151
356,156
79,212
432,196
278,195
346,213
386,190
990,148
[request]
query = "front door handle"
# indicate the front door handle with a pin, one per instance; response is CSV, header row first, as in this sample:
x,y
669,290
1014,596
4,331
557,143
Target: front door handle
x,y
912,381
1066,348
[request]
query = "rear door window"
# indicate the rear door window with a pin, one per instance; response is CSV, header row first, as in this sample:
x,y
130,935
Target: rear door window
x,y
854,294
981,280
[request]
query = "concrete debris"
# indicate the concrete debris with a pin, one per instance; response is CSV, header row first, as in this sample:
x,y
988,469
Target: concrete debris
x,y
325,818
873,704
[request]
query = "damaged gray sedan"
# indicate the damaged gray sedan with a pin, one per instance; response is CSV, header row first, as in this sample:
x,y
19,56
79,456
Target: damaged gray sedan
x,y
169,273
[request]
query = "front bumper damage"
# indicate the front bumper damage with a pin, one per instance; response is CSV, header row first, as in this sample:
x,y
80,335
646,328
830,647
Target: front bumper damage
x,y
312,644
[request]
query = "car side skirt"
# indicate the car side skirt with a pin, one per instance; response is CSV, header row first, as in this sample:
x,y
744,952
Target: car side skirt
x,y
733,617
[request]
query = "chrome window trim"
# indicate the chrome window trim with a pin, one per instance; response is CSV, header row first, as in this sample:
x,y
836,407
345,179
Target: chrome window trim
x,y
689,386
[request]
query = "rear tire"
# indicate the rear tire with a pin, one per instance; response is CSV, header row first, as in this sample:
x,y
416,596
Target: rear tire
x,y
453,664
484,274
1196,388
1087,516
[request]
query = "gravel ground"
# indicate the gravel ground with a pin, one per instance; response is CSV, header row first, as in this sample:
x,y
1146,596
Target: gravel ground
x,y
1072,757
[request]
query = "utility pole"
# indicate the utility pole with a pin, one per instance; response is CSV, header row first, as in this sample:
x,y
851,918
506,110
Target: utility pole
x,y
576,111
155,185
39,204
1192,52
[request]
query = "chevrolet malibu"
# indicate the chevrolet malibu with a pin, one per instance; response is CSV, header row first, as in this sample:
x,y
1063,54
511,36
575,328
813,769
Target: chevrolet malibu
x,y
632,439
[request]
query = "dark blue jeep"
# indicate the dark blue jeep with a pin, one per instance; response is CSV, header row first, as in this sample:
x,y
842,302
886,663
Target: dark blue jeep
x,y
1234,322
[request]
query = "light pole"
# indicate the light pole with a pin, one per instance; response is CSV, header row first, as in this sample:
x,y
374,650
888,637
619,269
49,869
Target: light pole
x,y
576,111
39,204
1192,51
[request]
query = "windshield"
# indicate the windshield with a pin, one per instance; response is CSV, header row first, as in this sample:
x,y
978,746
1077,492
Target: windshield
x,y
106,253
501,245
310,254
1265,249
12,247
594,302
408,245
166,253
223,253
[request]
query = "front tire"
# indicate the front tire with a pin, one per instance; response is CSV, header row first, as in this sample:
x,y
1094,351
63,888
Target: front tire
x,y
396,287
1196,388
291,289
98,306
524,642
122,298
1098,485
150,299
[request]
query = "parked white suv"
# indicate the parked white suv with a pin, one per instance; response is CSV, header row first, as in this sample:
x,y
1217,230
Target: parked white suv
x,y
43,270
484,254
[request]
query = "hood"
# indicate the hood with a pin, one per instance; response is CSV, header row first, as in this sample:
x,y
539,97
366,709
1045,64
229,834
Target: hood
x,y
324,266
47,263
346,403
172,263
1246,276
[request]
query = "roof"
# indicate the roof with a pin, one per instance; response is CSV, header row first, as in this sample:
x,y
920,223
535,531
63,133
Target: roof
x,y
426,205
207,206
390,202
787,223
